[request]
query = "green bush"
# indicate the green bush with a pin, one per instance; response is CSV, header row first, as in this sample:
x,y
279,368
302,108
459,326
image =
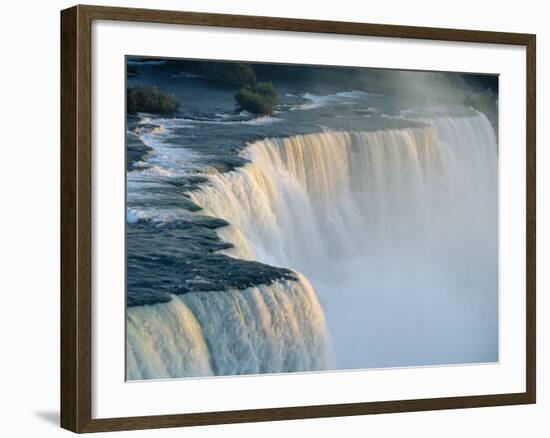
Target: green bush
x,y
258,99
150,100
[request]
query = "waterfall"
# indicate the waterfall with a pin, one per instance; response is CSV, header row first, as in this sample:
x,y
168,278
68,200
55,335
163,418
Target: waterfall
x,y
262,329
397,230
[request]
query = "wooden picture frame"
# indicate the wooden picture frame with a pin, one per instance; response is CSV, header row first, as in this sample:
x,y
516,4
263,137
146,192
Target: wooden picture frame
x,y
76,217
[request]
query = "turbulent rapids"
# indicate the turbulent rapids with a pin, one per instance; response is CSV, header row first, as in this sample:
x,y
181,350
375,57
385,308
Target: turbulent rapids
x,y
395,229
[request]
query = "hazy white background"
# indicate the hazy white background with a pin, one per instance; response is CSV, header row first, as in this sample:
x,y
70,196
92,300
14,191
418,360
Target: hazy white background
x,y
29,227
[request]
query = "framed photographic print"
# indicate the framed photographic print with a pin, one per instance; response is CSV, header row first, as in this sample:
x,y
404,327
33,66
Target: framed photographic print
x,y
268,218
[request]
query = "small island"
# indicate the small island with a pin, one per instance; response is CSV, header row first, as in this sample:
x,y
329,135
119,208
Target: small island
x,y
150,100
260,98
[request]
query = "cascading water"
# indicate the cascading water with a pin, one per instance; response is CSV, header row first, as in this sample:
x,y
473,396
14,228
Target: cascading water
x,y
396,230
262,329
